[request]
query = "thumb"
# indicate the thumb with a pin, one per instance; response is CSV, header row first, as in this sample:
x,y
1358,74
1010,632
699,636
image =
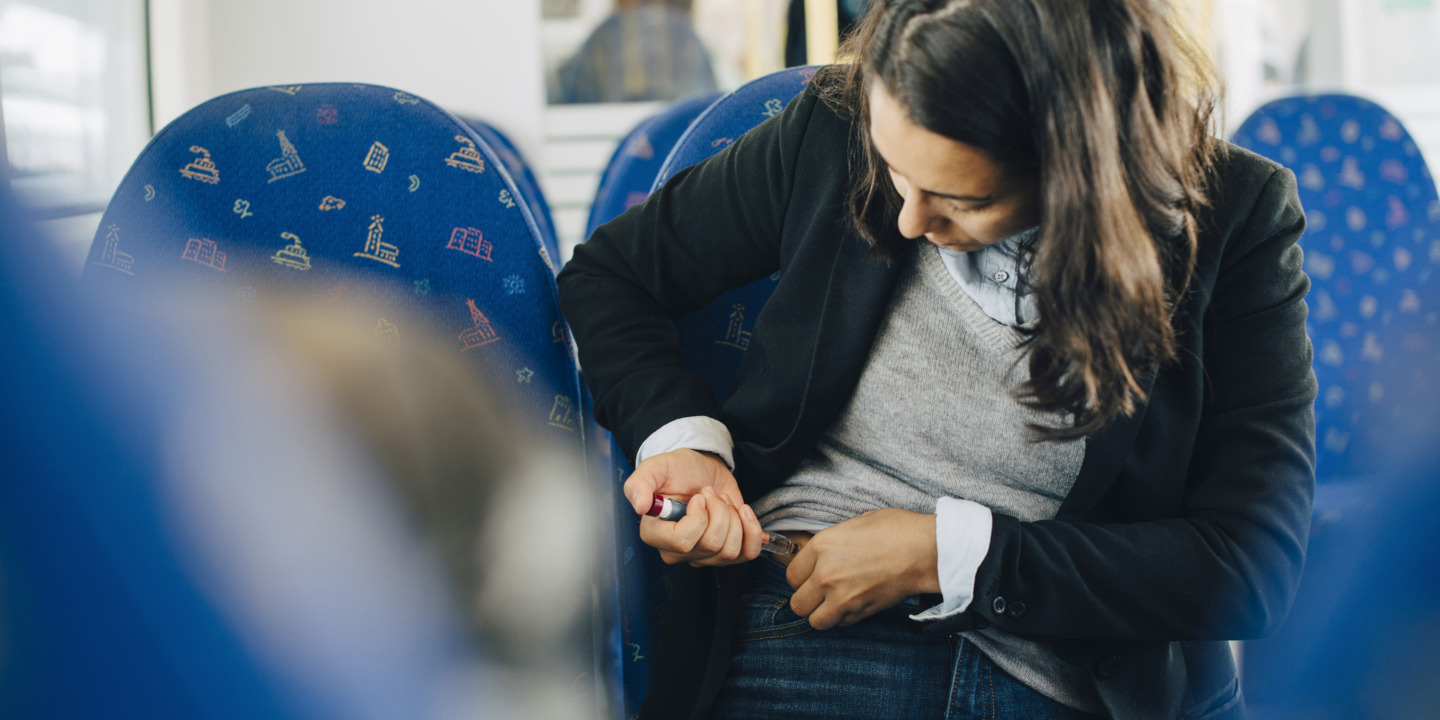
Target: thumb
x,y
640,490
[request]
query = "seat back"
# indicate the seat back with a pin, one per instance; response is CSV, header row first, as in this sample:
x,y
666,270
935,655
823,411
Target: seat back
x,y
523,176
715,337
631,171
1372,248
713,340
350,192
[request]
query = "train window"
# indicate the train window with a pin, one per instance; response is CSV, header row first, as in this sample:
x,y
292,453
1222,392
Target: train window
x,y
607,51
74,99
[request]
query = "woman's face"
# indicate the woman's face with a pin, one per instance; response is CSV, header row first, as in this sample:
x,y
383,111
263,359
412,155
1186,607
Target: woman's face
x,y
955,195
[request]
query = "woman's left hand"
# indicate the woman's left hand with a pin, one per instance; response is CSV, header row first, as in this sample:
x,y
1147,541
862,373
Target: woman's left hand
x,y
854,569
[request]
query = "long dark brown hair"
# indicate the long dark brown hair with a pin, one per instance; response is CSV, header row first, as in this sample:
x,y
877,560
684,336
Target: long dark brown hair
x,y
1108,104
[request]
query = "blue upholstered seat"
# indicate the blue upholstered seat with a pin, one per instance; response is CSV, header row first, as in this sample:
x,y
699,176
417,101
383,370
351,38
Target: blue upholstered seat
x,y
350,192
524,177
631,171
1372,251
713,340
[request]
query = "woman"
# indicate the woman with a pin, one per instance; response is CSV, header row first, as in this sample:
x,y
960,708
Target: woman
x,y
1034,376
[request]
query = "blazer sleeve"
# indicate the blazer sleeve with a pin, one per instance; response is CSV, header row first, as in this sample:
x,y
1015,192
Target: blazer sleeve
x,y
1226,567
712,227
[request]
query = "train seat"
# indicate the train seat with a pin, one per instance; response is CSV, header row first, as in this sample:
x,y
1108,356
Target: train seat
x,y
643,577
1372,248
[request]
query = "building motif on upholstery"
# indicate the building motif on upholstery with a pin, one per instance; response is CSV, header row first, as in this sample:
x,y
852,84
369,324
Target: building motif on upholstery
x,y
386,332
562,413
202,168
406,99
377,158
467,158
288,163
111,257
327,114
238,116
481,332
293,256
506,199
330,202
721,142
242,208
205,252
375,248
736,335
287,89
469,241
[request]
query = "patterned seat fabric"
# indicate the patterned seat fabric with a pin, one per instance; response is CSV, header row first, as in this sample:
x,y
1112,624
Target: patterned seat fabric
x,y
521,174
1372,248
347,192
713,340
632,169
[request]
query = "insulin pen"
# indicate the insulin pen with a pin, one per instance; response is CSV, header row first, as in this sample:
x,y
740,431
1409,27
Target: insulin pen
x,y
667,509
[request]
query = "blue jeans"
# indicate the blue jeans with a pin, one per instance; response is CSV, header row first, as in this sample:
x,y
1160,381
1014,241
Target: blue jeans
x,y
881,667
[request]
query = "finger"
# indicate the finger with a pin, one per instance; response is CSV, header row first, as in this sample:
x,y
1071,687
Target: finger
x,y
678,537
754,535
728,489
806,599
640,489
735,538
713,539
826,616
802,566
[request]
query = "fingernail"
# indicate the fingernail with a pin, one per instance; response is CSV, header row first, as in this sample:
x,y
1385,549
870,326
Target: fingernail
x,y
749,514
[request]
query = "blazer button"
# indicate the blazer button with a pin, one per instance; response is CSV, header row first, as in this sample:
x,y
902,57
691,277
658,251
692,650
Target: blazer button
x,y
1107,667
1017,609
998,606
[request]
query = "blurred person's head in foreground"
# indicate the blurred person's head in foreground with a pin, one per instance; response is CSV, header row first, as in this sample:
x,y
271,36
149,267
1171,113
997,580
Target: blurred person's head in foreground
x,y
501,514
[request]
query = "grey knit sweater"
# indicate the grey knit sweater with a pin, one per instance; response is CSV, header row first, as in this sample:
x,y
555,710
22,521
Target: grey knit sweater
x,y
933,416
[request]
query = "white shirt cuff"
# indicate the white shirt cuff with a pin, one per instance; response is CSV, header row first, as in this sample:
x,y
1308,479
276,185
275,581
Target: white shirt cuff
x,y
696,432
962,540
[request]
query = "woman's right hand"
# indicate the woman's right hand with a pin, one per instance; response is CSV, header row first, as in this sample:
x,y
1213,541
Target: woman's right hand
x,y
718,527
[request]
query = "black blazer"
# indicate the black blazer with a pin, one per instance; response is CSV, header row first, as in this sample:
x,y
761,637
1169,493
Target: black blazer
x,y
1187,524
